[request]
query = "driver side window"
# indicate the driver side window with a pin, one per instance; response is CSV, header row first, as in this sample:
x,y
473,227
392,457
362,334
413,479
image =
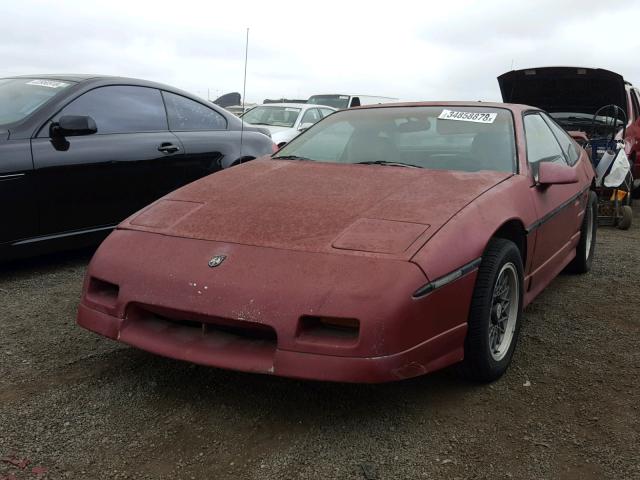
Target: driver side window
x,y
542,145
119,109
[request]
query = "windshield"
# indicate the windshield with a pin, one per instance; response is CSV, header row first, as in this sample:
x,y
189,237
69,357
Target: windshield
x,y
584,118
274,116
21,96
335,101
450,138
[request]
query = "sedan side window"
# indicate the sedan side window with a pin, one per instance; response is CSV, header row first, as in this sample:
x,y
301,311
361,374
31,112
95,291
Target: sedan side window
x,y
542,145
188,115
310,116
570,149
120,109
325,112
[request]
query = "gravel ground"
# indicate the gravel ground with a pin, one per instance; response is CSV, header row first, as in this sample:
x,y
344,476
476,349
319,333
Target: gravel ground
x,y
75,405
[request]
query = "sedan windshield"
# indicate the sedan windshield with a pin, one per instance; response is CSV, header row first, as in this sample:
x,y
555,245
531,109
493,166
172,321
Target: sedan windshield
x,y
21,96
274,116
466,138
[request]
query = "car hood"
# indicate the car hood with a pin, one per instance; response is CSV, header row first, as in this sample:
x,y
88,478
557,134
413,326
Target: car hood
x,y
317,207
275,129
564,89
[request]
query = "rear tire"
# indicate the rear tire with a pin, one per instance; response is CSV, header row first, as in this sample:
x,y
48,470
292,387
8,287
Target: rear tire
x,y
496,310
626,217
587,244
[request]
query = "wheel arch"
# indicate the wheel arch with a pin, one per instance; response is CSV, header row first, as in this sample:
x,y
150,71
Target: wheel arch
x,y
514,231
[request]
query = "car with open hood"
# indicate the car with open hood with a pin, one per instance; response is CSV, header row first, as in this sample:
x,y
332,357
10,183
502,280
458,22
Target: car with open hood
x,y
572,95
383,243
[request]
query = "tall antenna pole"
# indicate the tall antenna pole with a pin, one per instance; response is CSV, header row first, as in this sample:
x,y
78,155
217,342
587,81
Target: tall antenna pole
x,y
244,88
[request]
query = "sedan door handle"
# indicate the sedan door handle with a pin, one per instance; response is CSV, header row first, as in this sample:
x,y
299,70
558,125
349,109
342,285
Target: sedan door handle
x,y
168,148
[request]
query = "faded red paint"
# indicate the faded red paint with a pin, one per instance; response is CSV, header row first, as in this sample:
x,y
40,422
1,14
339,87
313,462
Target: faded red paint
x,y
295,239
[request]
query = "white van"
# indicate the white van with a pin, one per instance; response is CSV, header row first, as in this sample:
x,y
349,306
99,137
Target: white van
x,y
341,101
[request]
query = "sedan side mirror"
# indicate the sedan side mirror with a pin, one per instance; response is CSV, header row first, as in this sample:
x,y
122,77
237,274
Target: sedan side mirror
x,y
556,174
73,125
304,126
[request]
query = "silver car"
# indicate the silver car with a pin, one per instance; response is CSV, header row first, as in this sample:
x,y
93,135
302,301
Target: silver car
x,y
286,120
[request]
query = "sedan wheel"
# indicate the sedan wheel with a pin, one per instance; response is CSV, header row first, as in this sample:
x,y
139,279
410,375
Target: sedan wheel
x,y
494,316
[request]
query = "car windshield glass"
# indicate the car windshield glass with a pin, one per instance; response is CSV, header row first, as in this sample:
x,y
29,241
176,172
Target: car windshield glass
x,y
335,101
579,117
21,96
466,138
274,116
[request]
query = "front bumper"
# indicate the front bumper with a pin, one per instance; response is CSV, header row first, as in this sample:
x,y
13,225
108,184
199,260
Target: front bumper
x,y
220,352
162,297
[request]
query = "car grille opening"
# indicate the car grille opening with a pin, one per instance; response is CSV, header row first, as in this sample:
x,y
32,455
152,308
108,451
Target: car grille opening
x,y
229,330
102,292
329,330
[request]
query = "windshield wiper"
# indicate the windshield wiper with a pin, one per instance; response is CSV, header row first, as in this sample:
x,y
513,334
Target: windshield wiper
x,y
291,157
388,163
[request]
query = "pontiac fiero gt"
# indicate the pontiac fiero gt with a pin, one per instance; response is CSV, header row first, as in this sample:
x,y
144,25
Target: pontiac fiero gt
x,y
383,243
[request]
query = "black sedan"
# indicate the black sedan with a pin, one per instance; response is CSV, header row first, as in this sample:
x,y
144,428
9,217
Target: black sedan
x,y
78,154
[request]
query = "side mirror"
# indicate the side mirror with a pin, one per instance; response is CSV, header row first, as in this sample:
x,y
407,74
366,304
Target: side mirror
x,y
73,125
304,126
556,174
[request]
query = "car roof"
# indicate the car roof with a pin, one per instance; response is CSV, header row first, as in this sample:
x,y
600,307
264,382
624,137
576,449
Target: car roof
x,y
69,77
350,95
83,78
295,105
509,106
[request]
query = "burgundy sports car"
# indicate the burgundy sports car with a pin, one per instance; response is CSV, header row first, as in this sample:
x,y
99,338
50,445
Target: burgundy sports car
x,y
383,243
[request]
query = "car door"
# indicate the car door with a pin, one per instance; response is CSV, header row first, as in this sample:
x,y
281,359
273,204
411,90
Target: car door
x,y
98,180
558,207
17,192
203,131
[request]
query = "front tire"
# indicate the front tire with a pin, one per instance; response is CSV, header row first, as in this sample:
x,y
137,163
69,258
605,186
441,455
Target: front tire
x,y
587,244
495,314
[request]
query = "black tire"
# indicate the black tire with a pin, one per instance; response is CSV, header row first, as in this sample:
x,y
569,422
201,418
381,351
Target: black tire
x,y
582,262
626,218
479,363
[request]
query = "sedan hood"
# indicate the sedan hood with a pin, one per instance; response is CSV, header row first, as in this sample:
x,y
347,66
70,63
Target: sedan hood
x,y
275,129
319,207
564,89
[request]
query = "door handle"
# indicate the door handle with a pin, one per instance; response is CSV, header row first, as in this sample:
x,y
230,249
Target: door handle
x,y
168,148
11,176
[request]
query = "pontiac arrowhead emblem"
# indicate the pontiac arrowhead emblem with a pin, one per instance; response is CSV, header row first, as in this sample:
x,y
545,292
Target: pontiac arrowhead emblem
x,y
216,260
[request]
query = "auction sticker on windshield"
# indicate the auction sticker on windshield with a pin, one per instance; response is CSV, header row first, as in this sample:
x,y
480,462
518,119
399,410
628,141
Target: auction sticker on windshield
x,y
48,83
468,116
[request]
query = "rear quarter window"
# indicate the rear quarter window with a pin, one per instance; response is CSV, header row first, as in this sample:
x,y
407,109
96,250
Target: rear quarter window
x,y
188,115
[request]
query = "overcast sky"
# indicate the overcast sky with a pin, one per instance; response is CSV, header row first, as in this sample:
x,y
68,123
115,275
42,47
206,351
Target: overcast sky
x,y
423,50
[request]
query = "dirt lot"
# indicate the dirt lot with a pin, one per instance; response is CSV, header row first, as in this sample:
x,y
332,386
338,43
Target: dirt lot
x,y
83,407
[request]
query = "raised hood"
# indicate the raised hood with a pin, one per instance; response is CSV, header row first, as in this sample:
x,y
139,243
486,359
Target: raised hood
x,y
319,207
564,89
